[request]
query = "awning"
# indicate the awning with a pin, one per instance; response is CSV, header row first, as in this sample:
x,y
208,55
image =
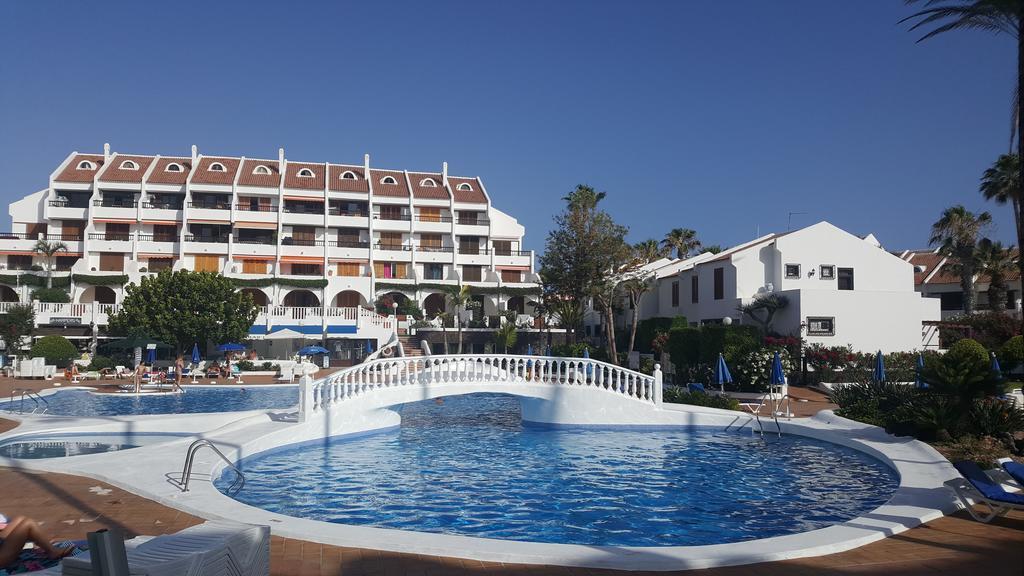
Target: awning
x,y
156,255
198,221
303,259
350,260
18,252
266,225
241,257
115,220
161,222
518,268
306,198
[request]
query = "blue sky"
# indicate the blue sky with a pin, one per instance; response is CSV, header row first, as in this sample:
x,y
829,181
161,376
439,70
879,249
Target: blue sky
x,y
718,116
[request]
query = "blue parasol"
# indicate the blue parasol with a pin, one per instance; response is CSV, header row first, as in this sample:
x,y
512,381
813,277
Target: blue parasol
x,y
151,356
586,354
778,377
529,352
195,354
230,347
722,375
369,347
879,374
547,351
917,372
995,366
313,350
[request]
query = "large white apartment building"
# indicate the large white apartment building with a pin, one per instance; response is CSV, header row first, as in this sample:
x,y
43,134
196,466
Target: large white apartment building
x,y
841,289
318,241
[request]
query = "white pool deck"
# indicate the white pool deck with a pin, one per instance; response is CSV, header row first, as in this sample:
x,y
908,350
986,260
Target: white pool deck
x,y
149,470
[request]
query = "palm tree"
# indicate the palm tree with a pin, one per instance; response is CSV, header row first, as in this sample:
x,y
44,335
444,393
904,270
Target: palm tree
x,y
682,240
714,248
1001,183
459,299
48,249
648,251
956,235
996,262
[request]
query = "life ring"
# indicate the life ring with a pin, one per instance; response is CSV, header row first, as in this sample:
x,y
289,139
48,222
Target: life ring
x,y
387,352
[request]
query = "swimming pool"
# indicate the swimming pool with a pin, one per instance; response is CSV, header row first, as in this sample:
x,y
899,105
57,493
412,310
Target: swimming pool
x,y
196,399
39,446
469,466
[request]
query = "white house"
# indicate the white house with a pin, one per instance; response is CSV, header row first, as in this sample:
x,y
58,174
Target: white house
x,y
841,289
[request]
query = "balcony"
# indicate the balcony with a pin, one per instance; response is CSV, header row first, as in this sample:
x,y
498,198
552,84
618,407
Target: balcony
x,y
19,241
63,237
207,239
392,222
301,242
73,314
255,247
465,226
66,209
348,219
349,248
427,253
110,242
256,207
433,223
512,257
218,211
157,243
114,209
302,217
302,247
474,255
162,210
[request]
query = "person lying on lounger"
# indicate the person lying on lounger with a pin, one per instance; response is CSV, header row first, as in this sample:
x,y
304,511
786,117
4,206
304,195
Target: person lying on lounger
x,y
20,530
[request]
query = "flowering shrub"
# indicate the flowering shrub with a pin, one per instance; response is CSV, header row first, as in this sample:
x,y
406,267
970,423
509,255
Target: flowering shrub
x,y
823,358
659,342
753,371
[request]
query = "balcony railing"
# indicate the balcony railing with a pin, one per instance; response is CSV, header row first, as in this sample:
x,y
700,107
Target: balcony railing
x,y
262,241
256,207
473,250
383,216
110,236
393,247
443,249
432,218
501,252
18,236
163,205
158,237
349,244
463,221
66,203
210,205
65,237
299,209
354,213
208,239
110,203
302,242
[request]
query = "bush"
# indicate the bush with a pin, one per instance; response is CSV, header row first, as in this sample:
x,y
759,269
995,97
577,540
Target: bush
x,y
576,351
967,349
1011,355
245,365
677,395
880,403
995,417
753,371
991,329
58,350
101,363
982,451
648,329
51,295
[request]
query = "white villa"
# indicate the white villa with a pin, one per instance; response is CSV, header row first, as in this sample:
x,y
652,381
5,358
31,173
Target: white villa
x,y
841,290
316,242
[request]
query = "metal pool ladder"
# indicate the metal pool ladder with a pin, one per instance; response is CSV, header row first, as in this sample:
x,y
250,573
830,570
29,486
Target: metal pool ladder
x,y
784,399
31,395
190,456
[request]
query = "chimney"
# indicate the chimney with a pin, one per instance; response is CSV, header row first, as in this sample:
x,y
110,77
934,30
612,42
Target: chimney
x,y
195,154
366,164
444,171
106,151
280,156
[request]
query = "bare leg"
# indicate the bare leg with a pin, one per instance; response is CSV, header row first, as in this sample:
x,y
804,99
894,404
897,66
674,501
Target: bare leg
x,y
21,530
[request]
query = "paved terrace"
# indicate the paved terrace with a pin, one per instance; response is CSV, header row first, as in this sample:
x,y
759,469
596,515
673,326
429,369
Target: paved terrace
x,y
70,506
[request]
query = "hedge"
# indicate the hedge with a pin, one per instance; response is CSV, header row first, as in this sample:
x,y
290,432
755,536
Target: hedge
x,y
100,279
34,280
58,350
59,295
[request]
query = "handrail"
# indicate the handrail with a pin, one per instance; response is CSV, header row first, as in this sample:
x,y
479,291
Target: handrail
x,y
190,455
775,406
31,395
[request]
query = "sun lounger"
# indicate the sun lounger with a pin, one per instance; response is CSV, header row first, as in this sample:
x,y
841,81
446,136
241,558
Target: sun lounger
x,y
287,374
696,388
210,549
122,372
976,487
1014,469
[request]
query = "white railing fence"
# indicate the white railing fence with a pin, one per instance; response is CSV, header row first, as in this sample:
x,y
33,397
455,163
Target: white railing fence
x,y
385,373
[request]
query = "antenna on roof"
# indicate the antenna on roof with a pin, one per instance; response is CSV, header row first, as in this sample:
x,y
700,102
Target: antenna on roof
x,y
195,153
789,222
106,151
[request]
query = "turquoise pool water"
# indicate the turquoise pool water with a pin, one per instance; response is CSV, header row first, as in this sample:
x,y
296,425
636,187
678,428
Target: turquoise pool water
x,y
196,399
469,466
38,446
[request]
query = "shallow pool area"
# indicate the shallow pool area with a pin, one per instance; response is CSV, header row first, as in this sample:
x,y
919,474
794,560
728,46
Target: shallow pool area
x,y
195,400
467,465
62,445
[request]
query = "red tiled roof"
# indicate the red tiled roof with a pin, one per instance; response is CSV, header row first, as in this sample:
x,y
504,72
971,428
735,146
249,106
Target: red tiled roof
x,y
399,190
435,192
339,184
203,174
71,173
929,260
475,195
247,178
160,175
115,173
293,180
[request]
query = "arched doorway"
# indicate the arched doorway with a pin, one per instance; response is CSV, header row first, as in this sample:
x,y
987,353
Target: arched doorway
x,y
348,299
301,299
516,304
98,295
433,305
259,298
7,294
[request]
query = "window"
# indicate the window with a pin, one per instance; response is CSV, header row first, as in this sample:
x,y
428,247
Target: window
x,y
217,167
1011,299
845,279
428,183
430,241
158,264
430,214
511,276
307,270
391,240
85,165
821,326
719,283
827,272
433,272
503,247
792,270
129,165
349,175
951,301
472,273
305,173
254,266
261,170
694,288
465,187
469,245
19,262
348,269
164,233
388,180
206,263
64,263
392,212
114,231
112,262
470,218
675,294
173,167
390,270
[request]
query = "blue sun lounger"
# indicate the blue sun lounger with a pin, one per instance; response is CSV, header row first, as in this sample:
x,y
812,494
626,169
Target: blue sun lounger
x,y
1014,469
977,488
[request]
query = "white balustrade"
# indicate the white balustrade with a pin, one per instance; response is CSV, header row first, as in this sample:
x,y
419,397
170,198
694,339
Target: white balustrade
x,y
387,373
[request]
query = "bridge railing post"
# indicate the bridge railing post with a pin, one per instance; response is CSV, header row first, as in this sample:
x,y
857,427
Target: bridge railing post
x,y
657,385
306,398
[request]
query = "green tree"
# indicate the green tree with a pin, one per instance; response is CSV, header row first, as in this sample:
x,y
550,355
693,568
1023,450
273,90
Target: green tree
x,y
714,248
1001,182
682,240
58,350
649,250
582,252
459,299
18,322
505,336
637,284
997,262
48,250
183,307
763,308
956,234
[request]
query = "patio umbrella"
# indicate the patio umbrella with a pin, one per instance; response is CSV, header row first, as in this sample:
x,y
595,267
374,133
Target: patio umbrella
x,y
195,354
995,366
151,356
722,375
547,351
778,377
586,354
917,372
230,347
313,350
284,334
529,352
369,347
879,374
